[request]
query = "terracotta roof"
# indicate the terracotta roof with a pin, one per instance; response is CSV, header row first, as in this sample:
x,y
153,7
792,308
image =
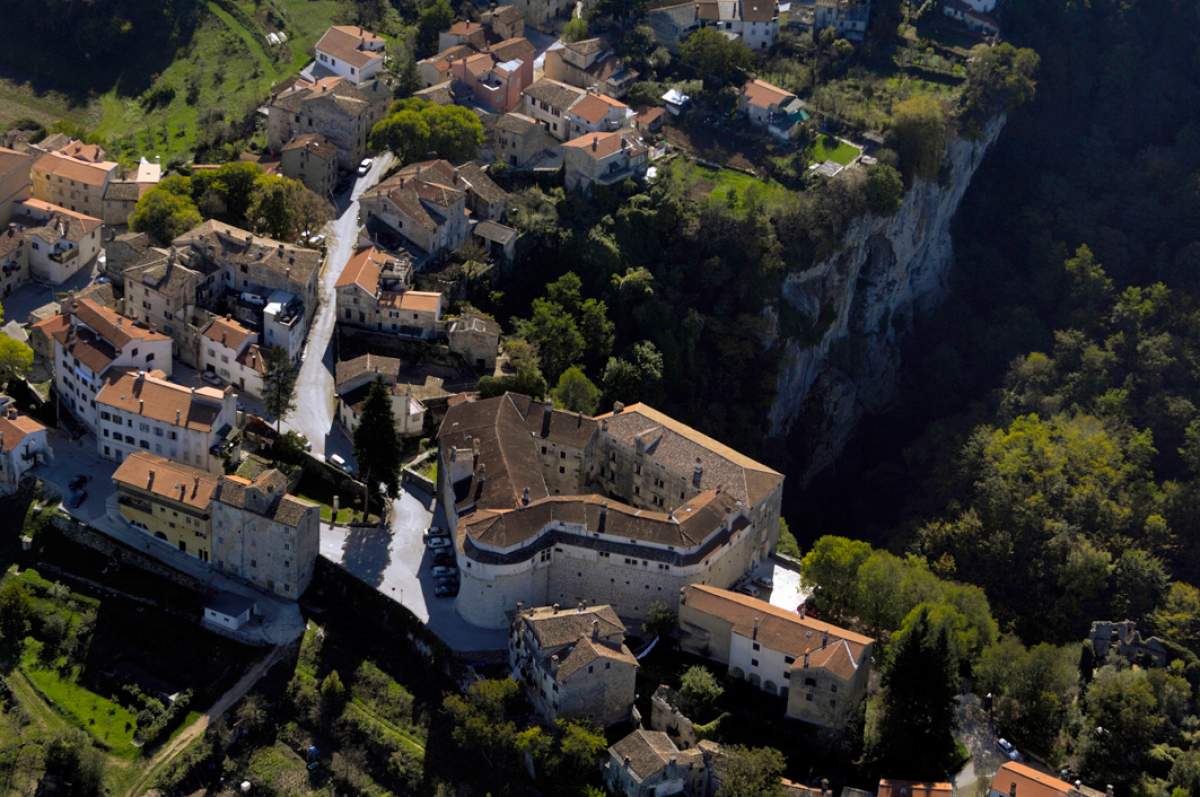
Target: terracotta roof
x,y
680,448
92,153
14,430
759,10
53,164
828,647
349,43
90,349
335,91
113,327
60,224
518,47
508,13
421,189
442,60
585,46
315,143
649,115
412,301
648,752
266,496
228,333
167,479
601,145
912,788
762,94
231,244
584,652
348,370
592,108
1029,782
552,93
553,627
198,409
363,270
11,160
465,27
254,358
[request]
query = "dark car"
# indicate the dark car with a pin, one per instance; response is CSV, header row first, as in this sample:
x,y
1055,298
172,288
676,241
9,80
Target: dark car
x,y
444,558
445,589
77,499
78,482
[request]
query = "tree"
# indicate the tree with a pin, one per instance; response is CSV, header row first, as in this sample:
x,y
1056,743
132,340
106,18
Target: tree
x,y
1000,79
279,384
885,189
635,377
376,444
1140,584
1121,725
576,392
282,208
164,214
1032,690
749,772
333,698
226,192
405,133
597,330
555,334
830,568
699,690
575,30
920,134
455,132
916,722
16,359
78,766
435,16
1178,618
715,58
660,621
16,610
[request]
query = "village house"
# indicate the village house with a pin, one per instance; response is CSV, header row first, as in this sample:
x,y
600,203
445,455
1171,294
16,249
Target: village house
x,y
351,52
476,339
573,663
603,159
60,242
496,85
125,250
375,292
542,14
596,113
23,446
231,352
121,195
911,788
767,106
974,14
634,504
167,500
520,141
754,22
167,290
335,107
849,18
463,32
674,23
353,382
264,535
14,181
139,410
548,101
436,68
14,260
1021,780
648,764
649,120
90,341
589,64
820,670
313,160
75,183
503,22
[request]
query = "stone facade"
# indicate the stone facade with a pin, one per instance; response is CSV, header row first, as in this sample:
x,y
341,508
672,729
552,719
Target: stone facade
x,y
333,107
313,160
477,340
14,181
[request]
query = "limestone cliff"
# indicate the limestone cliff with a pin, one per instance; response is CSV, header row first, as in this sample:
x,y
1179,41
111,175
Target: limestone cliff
x,y
862,302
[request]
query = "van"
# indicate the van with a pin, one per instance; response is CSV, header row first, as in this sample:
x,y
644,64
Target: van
x,y
339,462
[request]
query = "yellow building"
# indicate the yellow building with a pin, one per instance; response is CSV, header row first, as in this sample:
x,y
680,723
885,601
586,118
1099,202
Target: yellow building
x,y
167,500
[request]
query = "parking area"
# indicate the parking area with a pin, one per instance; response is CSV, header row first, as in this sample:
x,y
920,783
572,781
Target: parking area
x,y
397,562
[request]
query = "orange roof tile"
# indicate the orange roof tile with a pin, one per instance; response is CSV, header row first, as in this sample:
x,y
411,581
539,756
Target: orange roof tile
x,y
228,333
14,430
762,94
349,43
1028,782
592,108
55,165
413,301
164,401
173,481
912,788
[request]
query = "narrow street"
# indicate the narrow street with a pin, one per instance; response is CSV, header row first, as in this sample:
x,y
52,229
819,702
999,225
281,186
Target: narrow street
x,y
313,415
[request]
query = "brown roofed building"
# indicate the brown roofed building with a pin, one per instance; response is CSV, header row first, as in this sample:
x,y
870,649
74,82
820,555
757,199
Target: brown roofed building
x,y
520,141
648,764
597,113
573,663
435,69
589,64
231,352
1021,780
313,160
72,183
14,181
61,242
463,33
496,84
603,159
425,203
334,107
167,500
14,260
374,292
912,788
353,382
351,52
548,101
23,445
503,22
819,669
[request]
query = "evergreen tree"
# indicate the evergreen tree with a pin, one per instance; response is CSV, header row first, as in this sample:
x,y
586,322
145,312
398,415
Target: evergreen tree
x,y
376,444
915,729
279,384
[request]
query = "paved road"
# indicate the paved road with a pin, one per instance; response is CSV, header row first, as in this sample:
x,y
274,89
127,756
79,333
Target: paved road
x,y
313,416
194,731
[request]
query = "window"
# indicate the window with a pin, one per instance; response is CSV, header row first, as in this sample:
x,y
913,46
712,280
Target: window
x,y
134,353
253,563
753,662
756,646
789,659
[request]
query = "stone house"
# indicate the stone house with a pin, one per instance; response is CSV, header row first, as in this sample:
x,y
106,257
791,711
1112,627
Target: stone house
x,y
1123,639
625,508
674,23
60,242
231,352
121,195
542,14
375,292
819,669
519,141
548,101
503,22
74,183
495,84
14,260
596,113
144,411
603,159
436,68
353,382
166,291
167,500
973,14
573,663
589,64
89,342
23,446
264,535
313,160
648,764
335,107
463,32
351,52
849,18
476,339
14,181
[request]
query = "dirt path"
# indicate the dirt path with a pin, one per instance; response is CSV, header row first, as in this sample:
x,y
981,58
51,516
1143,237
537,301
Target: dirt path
x,y
194,731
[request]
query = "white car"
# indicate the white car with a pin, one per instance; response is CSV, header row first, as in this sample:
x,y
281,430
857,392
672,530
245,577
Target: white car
x,y
438,542
443,571
1007,747
364,167
337,461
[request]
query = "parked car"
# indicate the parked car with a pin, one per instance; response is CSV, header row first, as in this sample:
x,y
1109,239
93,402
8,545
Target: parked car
x,y
438,542
444,557
434,531
211,377
77,499
317,240
766,582
254,299
1007,747
339,462
444,589
444,571
364,167
78,482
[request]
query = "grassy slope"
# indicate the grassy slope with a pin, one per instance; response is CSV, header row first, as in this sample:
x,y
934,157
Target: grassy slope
x,y
827,148
109,723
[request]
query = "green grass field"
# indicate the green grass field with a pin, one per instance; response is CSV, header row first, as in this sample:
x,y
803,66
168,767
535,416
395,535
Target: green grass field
x,y
828,148
721,183
109,723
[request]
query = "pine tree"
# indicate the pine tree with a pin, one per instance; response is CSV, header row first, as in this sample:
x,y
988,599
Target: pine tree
x,y
279,384
376,444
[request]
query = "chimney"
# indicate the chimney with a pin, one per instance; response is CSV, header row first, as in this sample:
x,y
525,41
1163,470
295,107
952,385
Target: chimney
x,y
757,623
603,521
195,486
141,406
547,414
803,610
1012,789
806,659
525,499
120,321
593,144
555,607
697,473
617,407
595,630
150,480
825,638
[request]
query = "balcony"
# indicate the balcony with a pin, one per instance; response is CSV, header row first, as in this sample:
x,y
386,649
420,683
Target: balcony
x,y
63,256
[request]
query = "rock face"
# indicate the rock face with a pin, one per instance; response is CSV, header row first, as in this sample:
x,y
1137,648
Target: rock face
x,y
864,300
